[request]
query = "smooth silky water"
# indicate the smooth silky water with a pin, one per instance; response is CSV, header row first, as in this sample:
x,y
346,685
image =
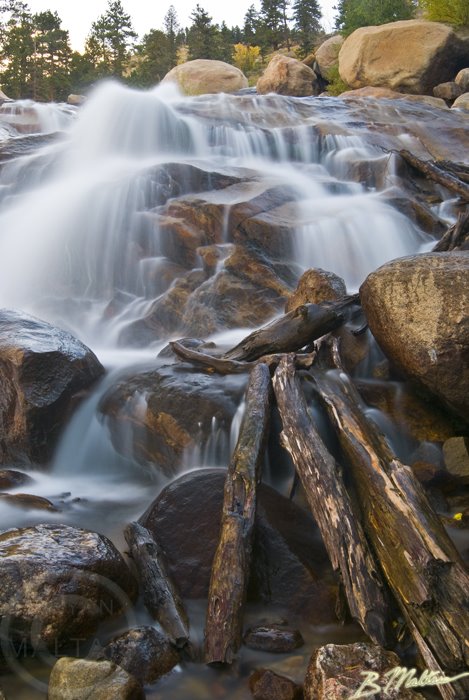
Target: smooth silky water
x,y
71,218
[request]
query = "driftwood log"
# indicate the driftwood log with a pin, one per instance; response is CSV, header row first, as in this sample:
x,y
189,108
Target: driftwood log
x,y
456,235
419,561
159,594
293,330
231,564
337,518
434,172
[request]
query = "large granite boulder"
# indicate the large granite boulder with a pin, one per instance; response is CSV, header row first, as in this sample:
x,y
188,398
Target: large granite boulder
x,y
327,55
462,102
418,310
82,679
203,76
290,568
287,76
42,369
462,79
409,56
381,93
57,583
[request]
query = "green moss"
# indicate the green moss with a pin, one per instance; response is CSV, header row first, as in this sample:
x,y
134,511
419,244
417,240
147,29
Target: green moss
x,y
336,85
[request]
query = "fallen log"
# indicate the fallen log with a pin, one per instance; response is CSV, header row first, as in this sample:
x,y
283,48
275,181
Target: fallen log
x,y
460,170
221,366
159,594
293,330
433,172
337,518
231,564
419,561
456,235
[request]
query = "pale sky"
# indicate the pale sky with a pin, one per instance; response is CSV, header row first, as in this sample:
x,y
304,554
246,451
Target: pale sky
x,y
78,15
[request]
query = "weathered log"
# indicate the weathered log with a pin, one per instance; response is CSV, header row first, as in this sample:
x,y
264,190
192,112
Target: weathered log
x,y
419,561
221,366
159,593
433,172
231,564
293,330
456,235
460,170
337,518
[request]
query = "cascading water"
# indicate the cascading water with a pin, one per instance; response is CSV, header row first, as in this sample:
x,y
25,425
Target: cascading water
x,y
84,244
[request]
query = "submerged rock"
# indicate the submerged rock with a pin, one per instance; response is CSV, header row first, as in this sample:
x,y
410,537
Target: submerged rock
x,y
456,455
57,583
267,685
203,76
287,76
290,566
409,56
11,479
81,679
273,638
418,310
42,368
28,502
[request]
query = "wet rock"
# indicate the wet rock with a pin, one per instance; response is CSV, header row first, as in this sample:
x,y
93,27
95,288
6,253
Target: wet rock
x,y
273,638
385,56
456,456
462,79
154,416
144,652
81,679
380,93
418,310
11,479
267,685
42,368
287,76
447,91
290,565
315,286
59,582
203,77
3,97
28,502
76,100
272,230
335,671
462,102
327,55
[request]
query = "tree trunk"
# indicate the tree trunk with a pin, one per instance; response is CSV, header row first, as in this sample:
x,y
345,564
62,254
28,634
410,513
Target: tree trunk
x,y
456,235
419,561
437,174
231,564
159,594
293,330
337,518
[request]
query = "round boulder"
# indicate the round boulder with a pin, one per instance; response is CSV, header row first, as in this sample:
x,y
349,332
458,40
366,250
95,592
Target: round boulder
x,y
58,583
81,679
462,102
448,91
409,56
327,55
315,286
417,308
287,76
203,77
462,79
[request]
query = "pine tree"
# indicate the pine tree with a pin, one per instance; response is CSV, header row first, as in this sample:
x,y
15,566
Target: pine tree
x,y
52,57
306,17
173,34
110,39
251,25
353,14
273,26
17,50
202,35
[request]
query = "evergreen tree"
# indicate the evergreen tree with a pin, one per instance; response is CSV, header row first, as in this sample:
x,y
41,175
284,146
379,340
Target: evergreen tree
x,y
353,14
451,11
152,60
251,25
202,35
306,16
110,39
17,49
273,26
52,58
173,34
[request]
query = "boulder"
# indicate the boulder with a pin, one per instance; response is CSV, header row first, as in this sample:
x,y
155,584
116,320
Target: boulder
x,y
11,479
27,501
57,583
335,672
327,55
144,652
409,56
456,456
82,679
287,76
447,91
462,102
275,639
315,286
76,100
267,685
157,416
203,76
462,79
42,369
290,566
417,308
380,93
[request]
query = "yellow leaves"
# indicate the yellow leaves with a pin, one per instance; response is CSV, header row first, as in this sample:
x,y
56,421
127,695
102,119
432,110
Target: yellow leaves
x,y
457,516
245,57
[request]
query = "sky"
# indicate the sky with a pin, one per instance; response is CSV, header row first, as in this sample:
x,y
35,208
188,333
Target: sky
x,y
77,16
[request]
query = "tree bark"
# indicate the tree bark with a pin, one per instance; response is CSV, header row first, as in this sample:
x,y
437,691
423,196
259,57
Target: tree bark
x,y
419,561
337,518
159,594
231,564
456,235
437,174
293,330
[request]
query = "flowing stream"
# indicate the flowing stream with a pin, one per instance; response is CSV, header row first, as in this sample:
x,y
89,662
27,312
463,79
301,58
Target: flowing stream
x,y
82,245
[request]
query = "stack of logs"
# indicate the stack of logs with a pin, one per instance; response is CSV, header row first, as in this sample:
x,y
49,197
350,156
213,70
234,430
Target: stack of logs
x,y
387,545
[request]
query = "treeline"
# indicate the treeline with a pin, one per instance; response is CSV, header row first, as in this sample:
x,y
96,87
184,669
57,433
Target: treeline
x,y
37,61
